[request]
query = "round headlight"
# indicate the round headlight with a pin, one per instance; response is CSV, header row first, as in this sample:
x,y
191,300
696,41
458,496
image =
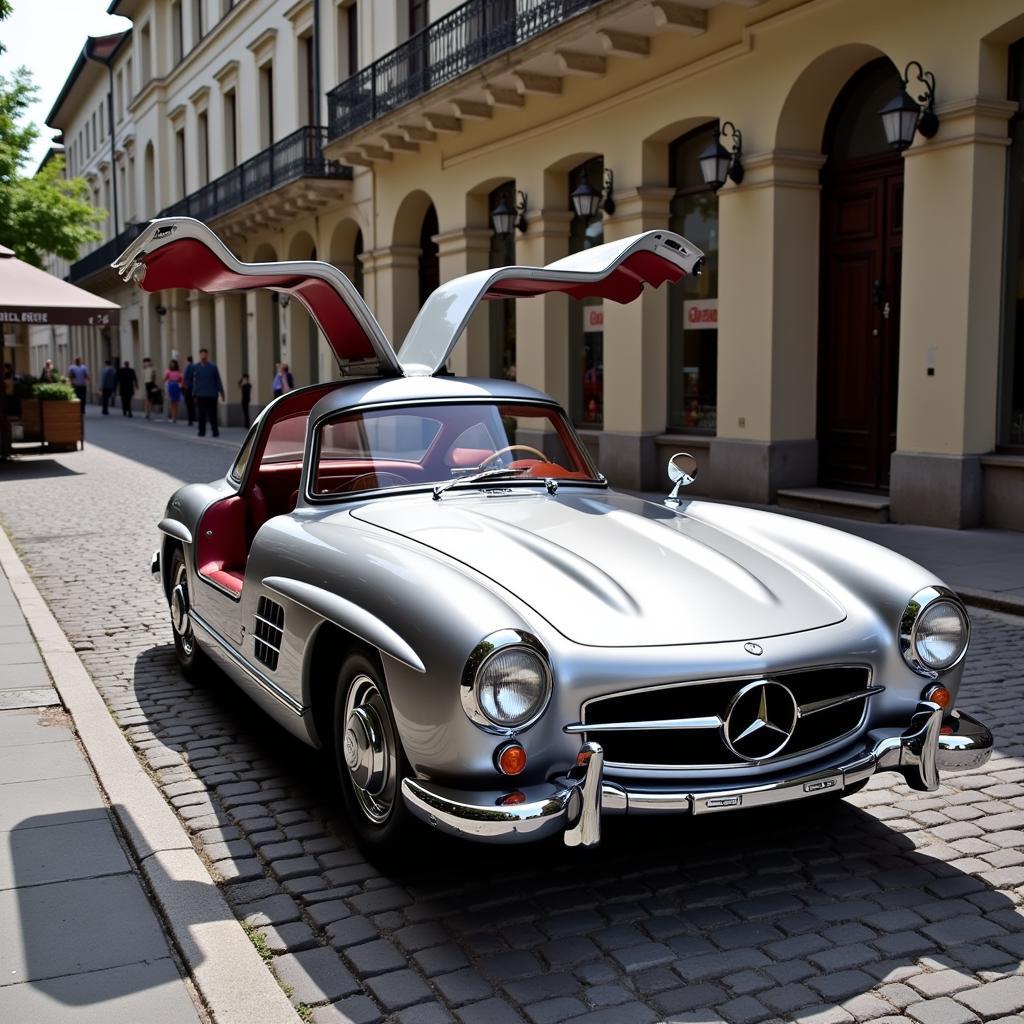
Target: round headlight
x,y
507,682
941,635
934,631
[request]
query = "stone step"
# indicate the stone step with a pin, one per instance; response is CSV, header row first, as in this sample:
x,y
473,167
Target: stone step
x,y
827,501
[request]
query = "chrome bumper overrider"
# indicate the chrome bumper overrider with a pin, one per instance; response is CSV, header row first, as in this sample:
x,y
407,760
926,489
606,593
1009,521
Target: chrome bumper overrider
x,y
573,804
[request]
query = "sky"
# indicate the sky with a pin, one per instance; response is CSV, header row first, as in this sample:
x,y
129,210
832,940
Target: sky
x,y
47,36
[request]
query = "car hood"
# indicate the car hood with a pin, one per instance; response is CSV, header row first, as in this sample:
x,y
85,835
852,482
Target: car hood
x,y
610,570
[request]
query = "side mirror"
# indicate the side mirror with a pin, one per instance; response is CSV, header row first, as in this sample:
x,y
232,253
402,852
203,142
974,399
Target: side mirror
x,y
682,471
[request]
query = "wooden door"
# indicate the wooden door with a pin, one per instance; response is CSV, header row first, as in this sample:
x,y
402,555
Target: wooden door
x,y
862,210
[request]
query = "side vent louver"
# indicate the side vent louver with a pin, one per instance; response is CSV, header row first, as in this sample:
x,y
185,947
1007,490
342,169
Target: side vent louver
x,y
269,632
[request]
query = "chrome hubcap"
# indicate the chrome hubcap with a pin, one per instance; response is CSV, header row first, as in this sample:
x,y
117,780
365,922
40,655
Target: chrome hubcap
x,y
368,748
180,621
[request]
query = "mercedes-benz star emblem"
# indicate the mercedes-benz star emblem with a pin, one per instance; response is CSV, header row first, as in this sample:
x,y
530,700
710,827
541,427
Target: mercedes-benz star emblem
x,y
760,720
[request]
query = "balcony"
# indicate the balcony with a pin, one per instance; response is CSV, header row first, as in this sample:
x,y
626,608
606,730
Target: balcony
x,y
273,175
447,48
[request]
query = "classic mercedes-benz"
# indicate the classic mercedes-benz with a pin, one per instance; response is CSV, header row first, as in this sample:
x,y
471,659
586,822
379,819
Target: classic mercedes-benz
x,y
428,576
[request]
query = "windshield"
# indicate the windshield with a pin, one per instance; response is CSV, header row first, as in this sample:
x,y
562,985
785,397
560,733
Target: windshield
x,y
431,444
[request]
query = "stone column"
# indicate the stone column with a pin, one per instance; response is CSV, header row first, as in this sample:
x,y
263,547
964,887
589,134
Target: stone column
x,y
635,355
465,251
259,314
954,196
542,324
227,315
395,287
768,328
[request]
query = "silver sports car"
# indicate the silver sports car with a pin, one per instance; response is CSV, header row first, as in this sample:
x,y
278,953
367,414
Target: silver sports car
x,y
428,576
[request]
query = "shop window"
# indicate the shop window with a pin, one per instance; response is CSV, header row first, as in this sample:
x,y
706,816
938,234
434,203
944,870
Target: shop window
x,y
502,312
1012,405
693,302
586,316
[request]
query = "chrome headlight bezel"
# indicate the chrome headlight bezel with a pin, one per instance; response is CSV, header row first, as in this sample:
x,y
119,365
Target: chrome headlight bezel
x,y
911,619
492,645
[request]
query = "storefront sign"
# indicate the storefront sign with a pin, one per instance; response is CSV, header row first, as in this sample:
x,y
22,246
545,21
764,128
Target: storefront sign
x,y
63,315
700,314
593,318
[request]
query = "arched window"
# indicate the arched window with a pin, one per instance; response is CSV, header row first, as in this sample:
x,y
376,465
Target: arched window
x,y
430,267
854,128
693,302
586,316
502,312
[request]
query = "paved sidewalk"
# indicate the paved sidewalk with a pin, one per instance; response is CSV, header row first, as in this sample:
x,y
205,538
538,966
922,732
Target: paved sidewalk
x,y
79,941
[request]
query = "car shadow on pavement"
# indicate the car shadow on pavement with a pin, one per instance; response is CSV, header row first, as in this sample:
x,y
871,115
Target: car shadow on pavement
x,y
814,903
76,925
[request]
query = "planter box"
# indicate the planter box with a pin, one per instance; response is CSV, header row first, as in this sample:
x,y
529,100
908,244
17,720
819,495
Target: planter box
x,y
32,425
62,423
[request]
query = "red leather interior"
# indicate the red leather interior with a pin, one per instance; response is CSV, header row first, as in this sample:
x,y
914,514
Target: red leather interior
x,y
258,510
463,458
223,543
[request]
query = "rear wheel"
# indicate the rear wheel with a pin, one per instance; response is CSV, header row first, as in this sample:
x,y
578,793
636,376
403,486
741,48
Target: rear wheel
x,y
194,664
370,760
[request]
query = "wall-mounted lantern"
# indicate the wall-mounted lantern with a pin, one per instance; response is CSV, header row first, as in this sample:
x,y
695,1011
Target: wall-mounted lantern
x,y
586,202
505,217
721,159
908,113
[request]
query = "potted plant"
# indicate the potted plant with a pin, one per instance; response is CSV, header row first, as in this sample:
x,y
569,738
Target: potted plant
x,y
60,414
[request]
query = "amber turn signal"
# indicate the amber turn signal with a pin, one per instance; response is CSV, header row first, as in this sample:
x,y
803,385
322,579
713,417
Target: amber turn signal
x,y
510,759
583,758
939,695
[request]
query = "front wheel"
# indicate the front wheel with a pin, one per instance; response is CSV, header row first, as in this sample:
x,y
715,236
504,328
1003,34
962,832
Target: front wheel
x,y
370,760
191,659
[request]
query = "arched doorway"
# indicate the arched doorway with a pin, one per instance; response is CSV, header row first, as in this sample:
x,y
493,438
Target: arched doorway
x,y
430,264
861,245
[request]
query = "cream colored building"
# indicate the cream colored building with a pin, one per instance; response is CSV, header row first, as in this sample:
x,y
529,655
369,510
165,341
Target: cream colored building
x,y
858,327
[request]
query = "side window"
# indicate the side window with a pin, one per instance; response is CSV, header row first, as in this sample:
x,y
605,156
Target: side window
x,y
241,463
285,440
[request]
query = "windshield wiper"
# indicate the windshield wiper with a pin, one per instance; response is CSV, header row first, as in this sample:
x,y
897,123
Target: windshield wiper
x,y
487,474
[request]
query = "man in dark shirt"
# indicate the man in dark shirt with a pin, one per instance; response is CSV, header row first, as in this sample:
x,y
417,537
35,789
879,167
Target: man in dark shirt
x,y
108,382
127,385
207,388
186,387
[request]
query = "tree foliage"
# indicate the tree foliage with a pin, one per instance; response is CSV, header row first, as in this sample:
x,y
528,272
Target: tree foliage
x,y
45,212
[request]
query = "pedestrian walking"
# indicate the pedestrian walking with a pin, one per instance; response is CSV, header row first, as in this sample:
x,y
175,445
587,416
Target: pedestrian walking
x,y
153,394
78,374
127,385
108,384
283,381
245,386
190,398
207,388
173,378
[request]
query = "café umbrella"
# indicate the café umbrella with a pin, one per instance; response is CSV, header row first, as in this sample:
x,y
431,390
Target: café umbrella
x,y
30,297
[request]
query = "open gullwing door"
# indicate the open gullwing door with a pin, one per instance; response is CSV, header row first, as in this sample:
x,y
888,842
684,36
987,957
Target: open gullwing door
x,y
617,271
180,252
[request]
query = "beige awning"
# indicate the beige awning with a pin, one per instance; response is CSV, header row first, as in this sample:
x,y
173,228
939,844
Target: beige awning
x,y
32,296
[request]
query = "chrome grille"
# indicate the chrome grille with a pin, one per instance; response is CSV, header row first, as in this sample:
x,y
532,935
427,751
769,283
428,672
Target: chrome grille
x,y
268,632
682,725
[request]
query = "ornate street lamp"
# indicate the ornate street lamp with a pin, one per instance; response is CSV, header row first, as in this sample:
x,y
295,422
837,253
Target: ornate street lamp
x,y
505,217
904,115
719,162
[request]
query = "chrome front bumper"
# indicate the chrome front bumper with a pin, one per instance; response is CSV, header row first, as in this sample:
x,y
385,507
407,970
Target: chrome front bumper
x,y
573,803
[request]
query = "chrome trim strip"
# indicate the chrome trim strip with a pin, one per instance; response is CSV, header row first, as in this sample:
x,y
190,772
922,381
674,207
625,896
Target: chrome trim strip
x,y
712,722
833,702
179,531
266,622
258,677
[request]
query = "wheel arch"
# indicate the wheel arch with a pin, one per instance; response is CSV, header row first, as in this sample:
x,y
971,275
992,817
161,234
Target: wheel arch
x,y
328,648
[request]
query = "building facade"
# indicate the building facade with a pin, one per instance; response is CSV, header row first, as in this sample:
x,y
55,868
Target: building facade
x,y
858,326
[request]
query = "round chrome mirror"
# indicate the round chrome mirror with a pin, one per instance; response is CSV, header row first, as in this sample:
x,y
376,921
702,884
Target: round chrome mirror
x,y
682,471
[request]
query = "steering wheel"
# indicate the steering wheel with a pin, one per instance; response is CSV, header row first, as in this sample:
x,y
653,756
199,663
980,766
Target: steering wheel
x,y
512,448
384,479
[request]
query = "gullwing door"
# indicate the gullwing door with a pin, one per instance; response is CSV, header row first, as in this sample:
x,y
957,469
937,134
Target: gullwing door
x,y
180,252
617,271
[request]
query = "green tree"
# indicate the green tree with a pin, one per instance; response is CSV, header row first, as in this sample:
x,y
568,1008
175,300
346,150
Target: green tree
x,y
45,212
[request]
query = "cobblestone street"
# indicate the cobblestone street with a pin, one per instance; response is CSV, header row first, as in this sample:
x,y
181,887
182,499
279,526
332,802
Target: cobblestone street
x,y
892,906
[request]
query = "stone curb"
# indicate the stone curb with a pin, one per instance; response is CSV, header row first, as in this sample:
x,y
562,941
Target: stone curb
x,y
992,601
235,984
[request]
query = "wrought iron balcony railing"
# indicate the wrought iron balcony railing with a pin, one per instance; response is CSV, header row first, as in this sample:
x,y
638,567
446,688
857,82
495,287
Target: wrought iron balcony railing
x,y
299,155
445,49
